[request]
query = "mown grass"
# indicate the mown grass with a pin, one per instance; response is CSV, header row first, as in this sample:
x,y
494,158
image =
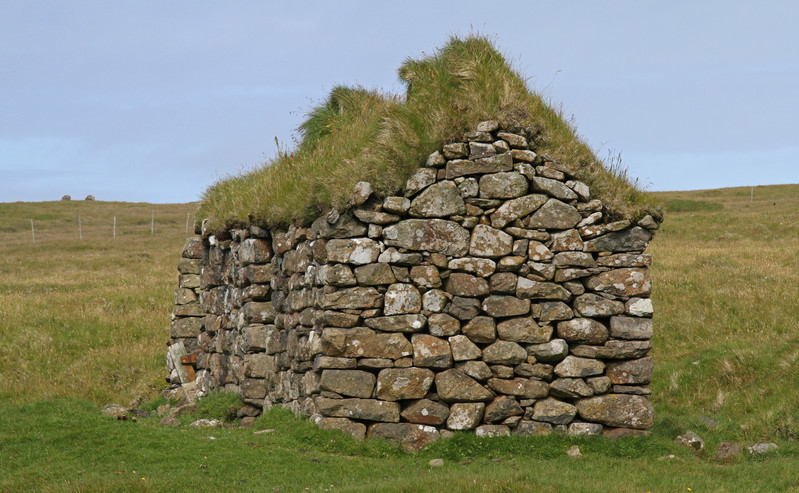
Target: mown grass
x,y
725,277
359,134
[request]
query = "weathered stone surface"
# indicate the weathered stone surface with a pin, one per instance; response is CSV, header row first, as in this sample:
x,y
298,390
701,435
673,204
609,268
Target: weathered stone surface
x,y
553,187
374,274
442,325
345,226
375,217
614,350
567,241
255,312
482,330
554,214
357,251
761,448
618,410
464,308
409,436
398,323
455,150
339,275
504,353
322,362
431,352
465,415
532,428
503,185
255,251
622,282
392,256
616,433
525,330
628,240
517,208
555,310
631,328
419,180
425,276
455,386
489,431
516,141
570,388
503,282
583,330
528,289
332,318
524,388
438,200
397,205
538,252
489,242
500,408
505,306
631,372
493,164
402,298
585,429
478,370
427,412
461,284
625,260
353,298
434,235
592,305
549,352
353,383
360,342
639,307
394,384
574,367
599,385
463,349
554,411
479,150
482,267
353,428
435,300
727,451
366,409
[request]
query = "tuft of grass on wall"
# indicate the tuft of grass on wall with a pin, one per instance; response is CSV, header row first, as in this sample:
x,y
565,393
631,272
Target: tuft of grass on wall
x,y
359,134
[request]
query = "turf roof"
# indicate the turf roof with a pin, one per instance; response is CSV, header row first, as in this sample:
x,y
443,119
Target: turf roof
x,y
365,135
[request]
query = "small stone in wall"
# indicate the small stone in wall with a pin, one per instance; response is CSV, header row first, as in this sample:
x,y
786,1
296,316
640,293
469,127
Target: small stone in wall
x,y
402,298
465,415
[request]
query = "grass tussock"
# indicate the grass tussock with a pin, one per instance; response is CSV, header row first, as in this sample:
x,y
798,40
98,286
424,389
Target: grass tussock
x,y
359,134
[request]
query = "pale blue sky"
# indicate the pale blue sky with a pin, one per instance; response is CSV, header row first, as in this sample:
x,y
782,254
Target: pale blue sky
x,y
153,101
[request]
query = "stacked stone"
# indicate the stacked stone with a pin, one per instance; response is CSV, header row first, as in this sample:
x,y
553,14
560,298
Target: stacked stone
x,y
495,296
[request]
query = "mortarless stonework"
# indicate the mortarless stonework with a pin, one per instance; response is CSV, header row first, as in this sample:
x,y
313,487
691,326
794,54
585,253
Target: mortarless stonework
x,y
494,296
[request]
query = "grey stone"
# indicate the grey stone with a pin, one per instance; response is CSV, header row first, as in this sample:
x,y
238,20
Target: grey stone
x,y
410,437
583,330
575,367
525,330
625,260
570,388
394,384
419,180
402,298
630,372
392,256
482,267
614,350
639,307
322,362
427,412
434,235
523,155
489,431
506,185
465,415
455,150
493,164
554,188
633,239
585,429
555,310
464,308
516,141
501,408
554,411
438,200
398,323
455,386
631,328
528,289
627,282
441,324
353,298
504,353
503,282
523,388
426,276
567,241
532,428
516,208
435,300
618,410
478,370
489,242
375,217
549,352
357,251
488,126
360,193
505,306
366,409
353,383
479,150
761,448
461,284
463,349
592,305
599,385
345,226
691,440
554,214
255,251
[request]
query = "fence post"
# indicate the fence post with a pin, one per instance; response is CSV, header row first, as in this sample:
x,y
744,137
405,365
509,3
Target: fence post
x,y
152,224
80,229
33,232
115,227
187,222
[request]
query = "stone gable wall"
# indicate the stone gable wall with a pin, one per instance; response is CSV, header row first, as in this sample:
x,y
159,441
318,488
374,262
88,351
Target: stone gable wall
x,y
493,296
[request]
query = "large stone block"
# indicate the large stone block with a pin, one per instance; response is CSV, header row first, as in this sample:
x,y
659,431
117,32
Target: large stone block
x,y
439,200
433,235
489,242
505,185
366,409
359,251
352,298
465,415
525,330
394,384
618,410
554,411
353,383
626,282
515,209
524,388
583,330
631,328
402,298
574,367
410,437
504,353
554,214
427,412
505,306
592,305
455,386
431,352
460,284
630,372
632,239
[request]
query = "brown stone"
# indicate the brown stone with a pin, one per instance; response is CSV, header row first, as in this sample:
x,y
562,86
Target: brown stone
x,y
482,267
492,164
618,410
355,298
403,383
431,352
481,330
374,274
464,308
505,306
402,298
626,282
523,388
630,372
570,388
353,383
525,330
398,323
554,411
501,408
410,437
592,305
441,325
532,428
427,412
555,310
503,282
455,386
574,367
356,430
528,289
461,284
583,330
434,235
463,349
366,409
504,353
425,276
465,415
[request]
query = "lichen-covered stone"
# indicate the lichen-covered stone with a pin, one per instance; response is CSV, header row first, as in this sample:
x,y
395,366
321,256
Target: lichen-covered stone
x,y
395,384
353,428
630,372
503,185
633,239
529,289
463,349
434,235
374,274
516,208
631,328
554,214
357,251
482,267
592,305
427,412
402,298
524,330
465,415
549,352
626,282
575,367
482,330
357,297
353,383
523,388
618,410
431,352
505,306
455,386
398,323
366,409
439,200
504,353
583,330
554,411
489,242
500,408
461,284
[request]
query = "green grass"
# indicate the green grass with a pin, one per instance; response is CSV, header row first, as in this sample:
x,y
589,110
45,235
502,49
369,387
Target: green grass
x,y
358,134
87,321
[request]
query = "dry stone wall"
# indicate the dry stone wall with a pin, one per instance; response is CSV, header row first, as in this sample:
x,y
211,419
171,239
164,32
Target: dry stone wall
x,y
494,295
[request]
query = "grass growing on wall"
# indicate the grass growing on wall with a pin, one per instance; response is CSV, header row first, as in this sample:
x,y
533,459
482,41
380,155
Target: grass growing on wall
x,y
357,134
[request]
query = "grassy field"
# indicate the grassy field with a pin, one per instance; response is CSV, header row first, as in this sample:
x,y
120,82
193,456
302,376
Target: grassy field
x,y
83,323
